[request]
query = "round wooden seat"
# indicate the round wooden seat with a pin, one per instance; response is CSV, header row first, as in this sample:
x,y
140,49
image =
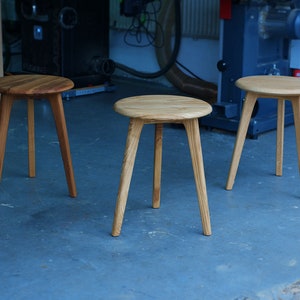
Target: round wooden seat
x,y
270,85
159,109
264,86
162,108
33,87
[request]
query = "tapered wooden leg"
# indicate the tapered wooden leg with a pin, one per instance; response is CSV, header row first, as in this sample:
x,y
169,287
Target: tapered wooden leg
x,y
193,133
240,139
296,111
5,110
61,128
31,142
157,165
280,136
133,137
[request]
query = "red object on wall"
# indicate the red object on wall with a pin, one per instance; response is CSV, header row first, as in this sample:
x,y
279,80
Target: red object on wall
x,y
296,72
225,9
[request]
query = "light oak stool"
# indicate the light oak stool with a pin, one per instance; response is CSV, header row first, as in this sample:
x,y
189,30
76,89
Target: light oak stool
x,y
265,86
33,87
159,109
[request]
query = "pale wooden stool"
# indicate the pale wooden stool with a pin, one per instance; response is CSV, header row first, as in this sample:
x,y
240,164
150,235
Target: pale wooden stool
x,y
32,87
159,109
264,86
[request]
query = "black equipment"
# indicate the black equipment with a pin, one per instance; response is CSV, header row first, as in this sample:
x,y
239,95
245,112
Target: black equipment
x,y
69,38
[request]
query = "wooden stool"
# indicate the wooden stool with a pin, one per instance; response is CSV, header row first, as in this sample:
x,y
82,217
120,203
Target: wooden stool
x,y
33,87
279,87
159,109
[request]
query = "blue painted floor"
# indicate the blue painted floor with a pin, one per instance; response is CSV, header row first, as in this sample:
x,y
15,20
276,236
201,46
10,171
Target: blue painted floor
x,y
56,247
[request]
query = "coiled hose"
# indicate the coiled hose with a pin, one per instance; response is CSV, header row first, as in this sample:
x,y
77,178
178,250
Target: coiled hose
x,y
194,86
170,16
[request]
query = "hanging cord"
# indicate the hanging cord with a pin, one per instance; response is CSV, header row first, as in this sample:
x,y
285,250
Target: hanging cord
x,y
173,56
139,33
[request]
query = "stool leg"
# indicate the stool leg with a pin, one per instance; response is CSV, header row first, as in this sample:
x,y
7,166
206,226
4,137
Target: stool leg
x,y
61,128
31,142
133,137
193,133
296,112
157,165
5,110
240,139
280,136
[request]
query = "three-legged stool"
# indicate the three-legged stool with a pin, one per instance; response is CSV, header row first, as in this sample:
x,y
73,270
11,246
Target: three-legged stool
x,y
33,87
264,86
159,109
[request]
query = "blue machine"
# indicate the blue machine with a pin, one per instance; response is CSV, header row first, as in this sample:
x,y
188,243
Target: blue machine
x,y
255,41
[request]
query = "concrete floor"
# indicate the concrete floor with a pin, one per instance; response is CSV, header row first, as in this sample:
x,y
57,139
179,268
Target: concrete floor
x,y
56,247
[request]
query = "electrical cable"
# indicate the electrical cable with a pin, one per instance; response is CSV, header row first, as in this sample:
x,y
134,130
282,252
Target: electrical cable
x,y
173,56
188,70
140,28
